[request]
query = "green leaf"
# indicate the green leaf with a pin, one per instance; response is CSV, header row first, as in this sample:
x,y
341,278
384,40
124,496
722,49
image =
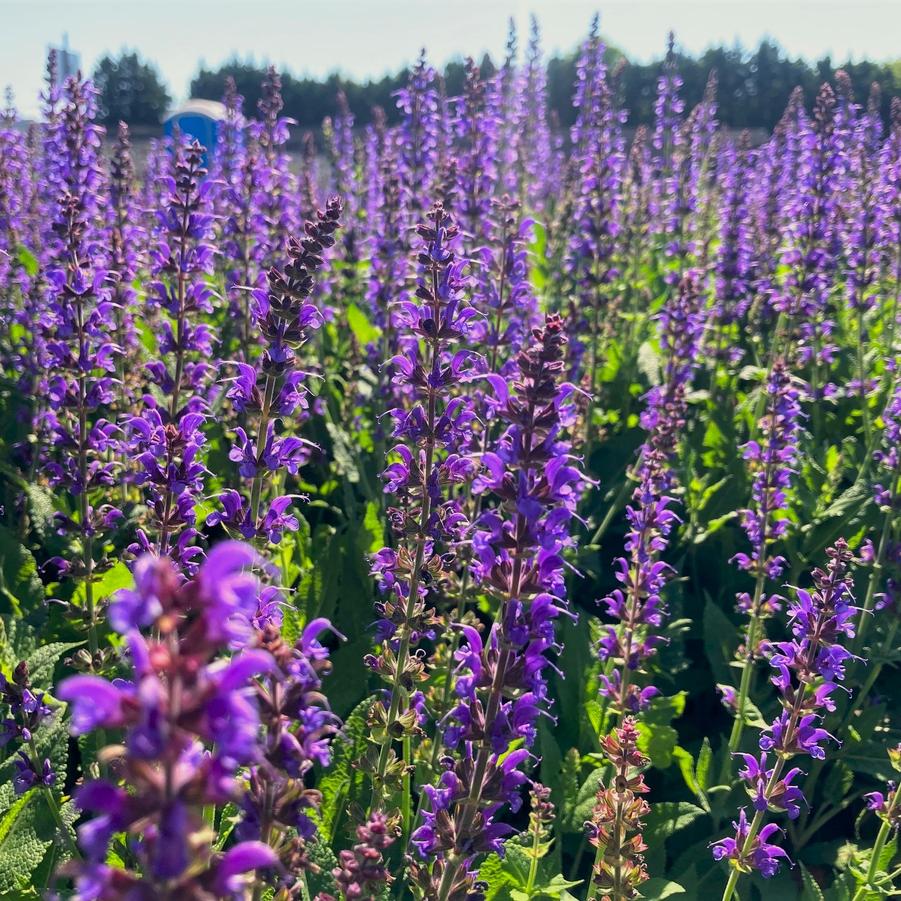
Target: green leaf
x,y
324,858
343,782
657,738
664,820
575,816
508,877
713,526
887,855
657,889
812,891
704,764
569,785
27,831
20,585
44,659
495,877
116,577
17,642
838,781
556,887
719,640
686,765
28,261
342,453
595,715
364,331
666,709
658,741
374,527
41,511
649,362
695,775
551,758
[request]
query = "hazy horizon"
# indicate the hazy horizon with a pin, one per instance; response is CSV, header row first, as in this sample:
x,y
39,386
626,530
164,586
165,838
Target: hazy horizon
x,y
365,39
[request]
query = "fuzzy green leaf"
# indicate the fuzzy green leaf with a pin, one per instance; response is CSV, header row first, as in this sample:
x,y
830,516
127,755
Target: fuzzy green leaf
x,y
42,661
812,891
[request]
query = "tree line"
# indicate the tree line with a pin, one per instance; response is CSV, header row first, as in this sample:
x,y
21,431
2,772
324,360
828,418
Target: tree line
x,y
753,86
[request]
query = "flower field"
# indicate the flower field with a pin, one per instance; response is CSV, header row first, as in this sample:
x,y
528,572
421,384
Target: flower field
x,y
462,508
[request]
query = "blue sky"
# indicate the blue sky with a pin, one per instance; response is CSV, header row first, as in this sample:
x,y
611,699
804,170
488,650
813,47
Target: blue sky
x,y
365,38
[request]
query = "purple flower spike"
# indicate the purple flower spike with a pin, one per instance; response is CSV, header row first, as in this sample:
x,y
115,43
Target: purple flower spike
x,y
638,604
270,390
192,722
531,484
807,671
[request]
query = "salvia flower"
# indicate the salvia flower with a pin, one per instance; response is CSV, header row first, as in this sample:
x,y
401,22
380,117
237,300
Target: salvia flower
x,y
362,872
810,237
638,604
501,684
808,669
167,436
241,175
748,854
475,138
126,252
771,460
190,719
278,805
427,465
77,322
598,163
419,138
534,162
26,712
733,263
269,391
667,142
277,188
616,822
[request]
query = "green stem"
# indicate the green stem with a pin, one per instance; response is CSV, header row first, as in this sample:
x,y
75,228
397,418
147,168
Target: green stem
x,y
256,489
888,644
533,862
407,792
866,611
861,377
751,635
789,738
881,838
756,823
615,506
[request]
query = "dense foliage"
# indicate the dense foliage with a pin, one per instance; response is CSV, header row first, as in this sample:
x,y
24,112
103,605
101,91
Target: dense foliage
x,y
129,90
490,516
755,85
